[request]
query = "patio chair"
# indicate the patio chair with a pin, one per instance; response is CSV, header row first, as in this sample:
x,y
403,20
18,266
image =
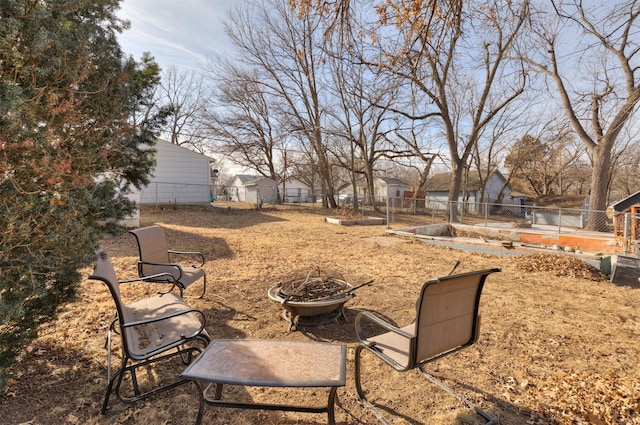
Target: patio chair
x,y
446,321
155,258
153,329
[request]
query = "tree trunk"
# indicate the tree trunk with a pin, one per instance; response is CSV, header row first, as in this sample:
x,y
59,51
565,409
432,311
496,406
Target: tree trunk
x,y
597,219
454,190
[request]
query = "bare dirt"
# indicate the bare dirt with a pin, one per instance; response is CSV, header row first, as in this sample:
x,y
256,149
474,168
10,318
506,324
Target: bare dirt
x,y
558,344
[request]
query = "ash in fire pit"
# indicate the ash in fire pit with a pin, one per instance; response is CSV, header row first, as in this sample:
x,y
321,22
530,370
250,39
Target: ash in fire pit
x,y
314,294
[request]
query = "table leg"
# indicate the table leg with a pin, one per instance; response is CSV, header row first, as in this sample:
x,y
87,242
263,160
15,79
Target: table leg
x,y
217,395
217,392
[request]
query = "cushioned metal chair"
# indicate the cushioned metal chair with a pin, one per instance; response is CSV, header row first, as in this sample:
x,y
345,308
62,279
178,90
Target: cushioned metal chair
x,y
152,329
447,320
155,258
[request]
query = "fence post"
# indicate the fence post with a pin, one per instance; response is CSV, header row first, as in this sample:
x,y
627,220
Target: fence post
x,y
559,220
486,214
627,230
388,213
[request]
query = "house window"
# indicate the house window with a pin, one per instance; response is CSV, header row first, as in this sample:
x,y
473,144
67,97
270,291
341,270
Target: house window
x,y
398,193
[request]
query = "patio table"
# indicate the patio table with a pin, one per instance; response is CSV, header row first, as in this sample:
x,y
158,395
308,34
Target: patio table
x,y
268,363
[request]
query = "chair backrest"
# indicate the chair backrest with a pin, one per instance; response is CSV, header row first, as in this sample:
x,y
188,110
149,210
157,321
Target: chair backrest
x,y
152,248
447,313
104,272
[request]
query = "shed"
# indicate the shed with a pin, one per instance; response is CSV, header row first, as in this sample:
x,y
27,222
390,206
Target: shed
x,y
390,187
384,187
437,190
253,189
294,191
627,207
181,176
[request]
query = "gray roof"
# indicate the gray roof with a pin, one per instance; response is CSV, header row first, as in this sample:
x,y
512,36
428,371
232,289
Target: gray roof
x,y
626,203
440,182
247,179
394,181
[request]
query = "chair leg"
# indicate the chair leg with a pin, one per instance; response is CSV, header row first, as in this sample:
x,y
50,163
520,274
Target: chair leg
x,y
111,378
491,420
201,402
204,287
107,395
363,399
204,290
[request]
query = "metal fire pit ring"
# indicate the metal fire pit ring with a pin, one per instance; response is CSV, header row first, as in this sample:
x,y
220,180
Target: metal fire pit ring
x,y
295,310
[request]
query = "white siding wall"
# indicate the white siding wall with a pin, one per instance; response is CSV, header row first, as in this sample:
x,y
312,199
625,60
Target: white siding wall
x,y
249,193
268,191
296,191
492,188
180,176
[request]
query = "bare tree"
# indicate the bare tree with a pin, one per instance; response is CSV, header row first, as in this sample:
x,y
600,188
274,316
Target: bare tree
x,y
605,59
547,161
304,167
184,94
626,177
495,139
243,122
284,46
456,55
362,118
413,138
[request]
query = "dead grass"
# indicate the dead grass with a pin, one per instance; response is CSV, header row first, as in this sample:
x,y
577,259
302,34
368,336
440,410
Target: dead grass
x,y
555,347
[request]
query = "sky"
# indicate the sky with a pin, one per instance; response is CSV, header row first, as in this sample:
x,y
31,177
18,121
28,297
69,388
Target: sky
x,y
177,33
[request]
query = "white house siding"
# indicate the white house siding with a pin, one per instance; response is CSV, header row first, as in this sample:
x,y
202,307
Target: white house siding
x,y
268,191
246,188
390,188
134,219
181,176
492,189
295,191
383,187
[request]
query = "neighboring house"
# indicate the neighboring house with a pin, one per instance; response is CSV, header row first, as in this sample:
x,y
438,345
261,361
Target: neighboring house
x,y
626,218
383,187
181,176
555,210
390,187
294,191
437,190
627,204
252,189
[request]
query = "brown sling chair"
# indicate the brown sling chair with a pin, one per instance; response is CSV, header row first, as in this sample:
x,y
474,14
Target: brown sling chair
x,y
446,321
152,329
155,258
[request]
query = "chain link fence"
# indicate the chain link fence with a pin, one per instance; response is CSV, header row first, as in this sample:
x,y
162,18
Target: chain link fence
x,y
477,213
432,209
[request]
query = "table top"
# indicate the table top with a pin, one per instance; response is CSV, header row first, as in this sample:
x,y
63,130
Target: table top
x,y
270,363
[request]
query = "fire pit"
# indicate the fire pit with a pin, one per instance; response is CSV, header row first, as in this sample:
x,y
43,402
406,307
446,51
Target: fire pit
x,y
312,297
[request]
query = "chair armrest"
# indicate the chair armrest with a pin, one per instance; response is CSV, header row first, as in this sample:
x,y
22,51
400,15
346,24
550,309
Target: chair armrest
x,y
162,278
388,328
199,254
174,265
372,317
169,316
151,278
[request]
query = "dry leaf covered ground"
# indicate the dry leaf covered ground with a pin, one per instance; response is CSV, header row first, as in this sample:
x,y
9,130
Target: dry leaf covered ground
x,y
558,344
